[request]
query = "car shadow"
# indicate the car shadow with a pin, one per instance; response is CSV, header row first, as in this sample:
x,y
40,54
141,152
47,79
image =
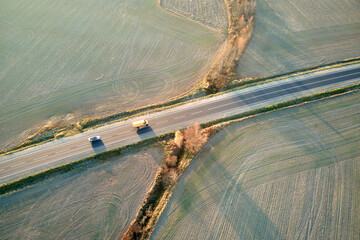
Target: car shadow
x,y
98,146
145,133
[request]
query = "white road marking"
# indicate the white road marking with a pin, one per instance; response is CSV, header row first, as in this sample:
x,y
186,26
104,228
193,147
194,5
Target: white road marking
x,y
18,164
40,157
82,145
157,123
2,170
196,112
123,133
62,151
278,91
40,165
222,105
56,145
180,117
28,169
125,126
107,137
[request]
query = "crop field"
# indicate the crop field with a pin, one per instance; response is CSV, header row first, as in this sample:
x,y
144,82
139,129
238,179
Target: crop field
x,y
64,60
98,202
290,174
292,35
209,12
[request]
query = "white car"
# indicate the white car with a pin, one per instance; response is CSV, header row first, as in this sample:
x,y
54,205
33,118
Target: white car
x,y
94,139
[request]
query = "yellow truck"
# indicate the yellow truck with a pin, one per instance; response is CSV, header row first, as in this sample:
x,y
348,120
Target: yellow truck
x,y
140,124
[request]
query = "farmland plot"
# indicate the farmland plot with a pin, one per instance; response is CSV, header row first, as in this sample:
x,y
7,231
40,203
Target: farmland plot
x,y
291,35
291,174
209,12
94,203
64,60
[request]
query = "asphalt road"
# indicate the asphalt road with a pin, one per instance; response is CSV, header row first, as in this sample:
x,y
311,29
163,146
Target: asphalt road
x,y
37,158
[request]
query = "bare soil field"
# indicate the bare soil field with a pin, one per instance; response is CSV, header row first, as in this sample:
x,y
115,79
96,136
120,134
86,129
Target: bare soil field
x,y
62,61
291,35
290,174
209,12
92,203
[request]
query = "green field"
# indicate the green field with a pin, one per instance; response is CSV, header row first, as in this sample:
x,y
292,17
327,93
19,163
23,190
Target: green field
x,y
64,60
290,174
97,202
291,35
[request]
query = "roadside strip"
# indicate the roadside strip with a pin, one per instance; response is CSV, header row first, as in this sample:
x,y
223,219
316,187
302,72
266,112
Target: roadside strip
x,y
194,96
6,188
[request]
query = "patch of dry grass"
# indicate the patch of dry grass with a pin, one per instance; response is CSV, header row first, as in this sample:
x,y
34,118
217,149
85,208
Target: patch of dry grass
x,y
180,151
241,25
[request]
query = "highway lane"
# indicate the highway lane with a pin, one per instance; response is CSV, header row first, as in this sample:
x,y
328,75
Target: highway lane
x,y
37,158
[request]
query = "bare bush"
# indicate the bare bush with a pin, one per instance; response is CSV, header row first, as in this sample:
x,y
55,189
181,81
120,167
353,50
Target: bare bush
x,y
174,150
194,139
132,232
169,177
171,161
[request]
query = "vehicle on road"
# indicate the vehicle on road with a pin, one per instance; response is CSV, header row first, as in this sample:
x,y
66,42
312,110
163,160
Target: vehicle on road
x,y
94,139
140,124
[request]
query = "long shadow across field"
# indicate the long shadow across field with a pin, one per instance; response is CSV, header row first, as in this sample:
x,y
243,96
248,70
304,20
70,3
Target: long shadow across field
x,y
250,222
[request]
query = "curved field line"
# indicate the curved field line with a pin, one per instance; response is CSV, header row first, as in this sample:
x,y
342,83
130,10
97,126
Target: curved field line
x,y
298,34
93,58
283,175
99,202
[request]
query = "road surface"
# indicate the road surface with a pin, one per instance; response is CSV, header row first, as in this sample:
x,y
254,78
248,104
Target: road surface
x,y
51,154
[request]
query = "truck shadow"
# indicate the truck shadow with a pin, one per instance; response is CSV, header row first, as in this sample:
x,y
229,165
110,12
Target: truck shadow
x,y
98,146
145,133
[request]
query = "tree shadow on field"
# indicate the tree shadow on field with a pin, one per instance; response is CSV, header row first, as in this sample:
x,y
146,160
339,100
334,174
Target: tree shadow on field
x,y
145,133
318,116
314,152
98,146
234,207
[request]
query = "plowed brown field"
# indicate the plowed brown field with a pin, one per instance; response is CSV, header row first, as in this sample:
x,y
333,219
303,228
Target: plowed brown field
x,y
290,174
291,35
61,61
93,203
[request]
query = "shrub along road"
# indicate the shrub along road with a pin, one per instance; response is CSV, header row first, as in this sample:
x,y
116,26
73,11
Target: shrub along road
x,y
59,152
